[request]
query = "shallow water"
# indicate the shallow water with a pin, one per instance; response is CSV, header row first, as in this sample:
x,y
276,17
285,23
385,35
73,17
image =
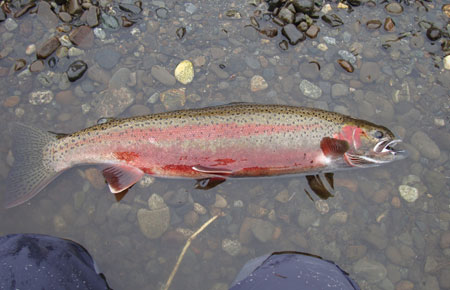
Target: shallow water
x,y
368,229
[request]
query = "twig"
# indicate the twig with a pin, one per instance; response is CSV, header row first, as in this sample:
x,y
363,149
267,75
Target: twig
x,y
186,246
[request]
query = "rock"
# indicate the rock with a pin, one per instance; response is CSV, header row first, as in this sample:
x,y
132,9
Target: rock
x,y
262,230
333,20
92,16
286,15
310,90
65,17
444,278
293,35
283,196
369,72
163,76
19,64
394,8
309,70
11,101
41,97
112,102
118,212
408,193
82,36
47,48
46,15
445,240
76,70
93,175
425,145
121,78
312,31
347,66
10,24
338,218
430,264
389,24
174,98
109,21
258,83
373,24
184,72
153,223
355,252
73,7
37,66
191,219
218,71
339,90
221,202
231,247
303,6
306,217
370,270
107,57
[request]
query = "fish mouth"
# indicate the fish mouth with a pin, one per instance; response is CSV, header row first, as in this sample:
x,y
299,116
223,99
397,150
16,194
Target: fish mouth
x,y
384,151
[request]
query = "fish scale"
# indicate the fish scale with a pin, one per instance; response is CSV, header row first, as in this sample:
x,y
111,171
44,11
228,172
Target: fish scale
x,y
238,140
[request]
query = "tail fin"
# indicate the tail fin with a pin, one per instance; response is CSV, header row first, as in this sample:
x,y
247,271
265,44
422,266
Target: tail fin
x,y
30,172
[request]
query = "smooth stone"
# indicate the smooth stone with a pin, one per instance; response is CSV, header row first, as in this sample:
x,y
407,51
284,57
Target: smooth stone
x,y
47,48
394,8
107,57
370,270
258,83
118,212
434,33
162,13
293,35
37,66
333,20
303,6
76,70
41,97
92,16
121,78
286,15
163,76
184,72
218,71
312,31
327,71
73,7
369,72
339,90
389,24
82,36
310,90
231,247
46,15
112,102
309,70
109,21
425,145
262,230
65,17
252,62
173,99
10,24
373,24
153,223
130,8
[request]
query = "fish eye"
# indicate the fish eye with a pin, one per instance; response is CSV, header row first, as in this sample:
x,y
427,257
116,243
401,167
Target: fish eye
x,y
378,134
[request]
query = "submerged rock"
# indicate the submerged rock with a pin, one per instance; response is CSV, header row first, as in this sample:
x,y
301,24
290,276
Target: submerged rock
x,y
184,72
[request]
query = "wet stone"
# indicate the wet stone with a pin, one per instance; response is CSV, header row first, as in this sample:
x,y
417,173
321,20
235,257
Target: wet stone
x,y
284,45
370,72
2,15
293,35
113,102
41,97
339,90
231,247
218,71
130,8
286,15
434,33
153,223
309,70
121,78
310,90
425,145
173,99
92,16
163,76
65,17
82,36
262,230
76,70
162,13
312,31
373,24
333,20
10,24
303,6
37,66
184,72
19,64
107,57
389,24
258,83
46,15
394,8
269,32
47,48
370,270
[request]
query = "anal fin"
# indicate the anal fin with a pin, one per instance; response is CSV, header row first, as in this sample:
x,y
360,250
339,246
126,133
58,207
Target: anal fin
x,y
120,177
208,183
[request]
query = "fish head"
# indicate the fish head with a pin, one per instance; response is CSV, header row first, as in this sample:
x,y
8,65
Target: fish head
x,y
370,144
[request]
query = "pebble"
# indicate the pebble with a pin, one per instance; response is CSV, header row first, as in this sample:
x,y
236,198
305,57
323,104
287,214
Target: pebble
x,y
347,66
408,193
446,10
404,285
309,70
333,20
173,99
292,34
262,230
121,78
76,70
310,90
184,72
153,223
322,206
306,217
373,24
425,145
11,101
433,33
338,218
221,202
41,97
339,90
82,36
47,48
369,72
389,24
65,17
112,102
46,15
231,247
394,8
72,52
92,16
312,31
258,83
370,270
93,175
107,57
163,76
19,64
10,24
200,209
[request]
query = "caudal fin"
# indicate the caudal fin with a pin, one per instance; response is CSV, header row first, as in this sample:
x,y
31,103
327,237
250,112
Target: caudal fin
x,y
30,172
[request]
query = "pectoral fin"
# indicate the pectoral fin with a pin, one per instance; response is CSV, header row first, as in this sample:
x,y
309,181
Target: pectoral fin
x,y
121,177
318,187
333,147
208,183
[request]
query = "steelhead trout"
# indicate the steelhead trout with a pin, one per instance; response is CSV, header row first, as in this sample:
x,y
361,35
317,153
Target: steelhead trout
x,y
208,144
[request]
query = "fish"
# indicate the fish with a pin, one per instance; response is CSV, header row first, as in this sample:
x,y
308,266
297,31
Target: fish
x,y
209,144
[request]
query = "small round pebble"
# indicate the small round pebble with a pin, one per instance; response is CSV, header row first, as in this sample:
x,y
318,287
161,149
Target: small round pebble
x,y
408,193
184,72
258,83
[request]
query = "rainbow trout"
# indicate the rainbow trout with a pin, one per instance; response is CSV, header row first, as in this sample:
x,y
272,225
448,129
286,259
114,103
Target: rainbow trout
x,y
208,144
